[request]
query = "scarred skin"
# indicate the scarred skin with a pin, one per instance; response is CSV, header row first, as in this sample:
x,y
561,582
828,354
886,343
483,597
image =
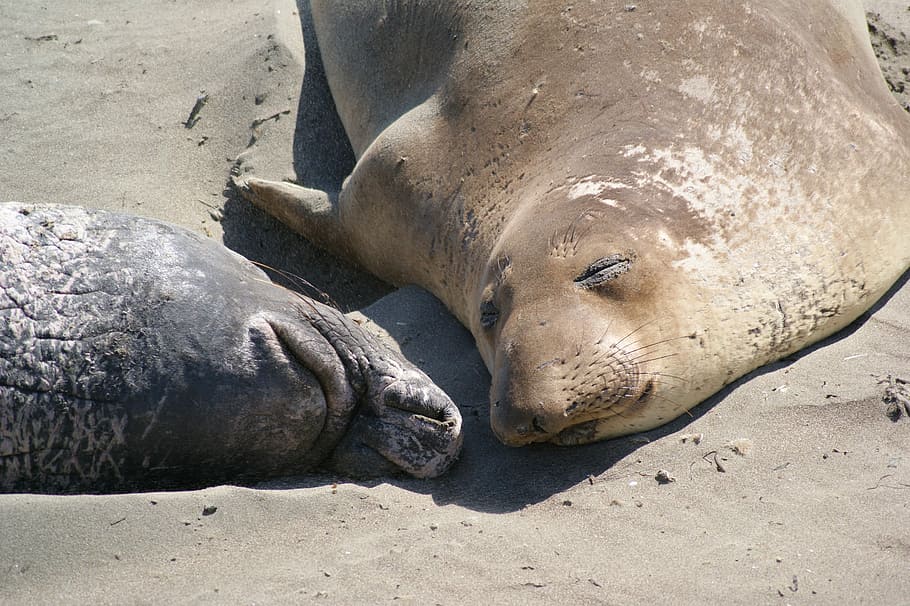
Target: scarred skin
x,y
629,207
137,355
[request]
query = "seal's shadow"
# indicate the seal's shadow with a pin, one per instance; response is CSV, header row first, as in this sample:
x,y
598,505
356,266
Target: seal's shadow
x,y
490,476
322,158
318,125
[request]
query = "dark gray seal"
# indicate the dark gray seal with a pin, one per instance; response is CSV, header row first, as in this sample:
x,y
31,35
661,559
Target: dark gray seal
x,y
136,354
629,206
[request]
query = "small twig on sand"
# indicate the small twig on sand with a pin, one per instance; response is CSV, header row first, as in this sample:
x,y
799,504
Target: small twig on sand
x,y
44,38
194,113
717,464
254,127
276,116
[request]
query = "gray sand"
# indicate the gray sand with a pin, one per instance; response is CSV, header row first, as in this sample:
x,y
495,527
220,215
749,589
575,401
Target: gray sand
x,y
811,506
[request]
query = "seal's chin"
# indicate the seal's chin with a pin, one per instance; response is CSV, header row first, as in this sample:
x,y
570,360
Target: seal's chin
x,y
582,433
585,432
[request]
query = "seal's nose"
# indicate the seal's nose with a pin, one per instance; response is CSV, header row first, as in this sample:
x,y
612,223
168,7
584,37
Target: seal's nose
x,y
520,411
513,428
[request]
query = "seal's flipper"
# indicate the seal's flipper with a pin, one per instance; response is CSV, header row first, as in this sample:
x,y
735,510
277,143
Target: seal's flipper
x,y
312,213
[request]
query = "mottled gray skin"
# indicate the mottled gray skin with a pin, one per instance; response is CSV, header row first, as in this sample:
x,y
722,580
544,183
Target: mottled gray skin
x,y
135,354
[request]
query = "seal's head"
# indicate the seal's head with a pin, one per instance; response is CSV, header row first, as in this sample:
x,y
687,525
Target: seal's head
x,y
575,325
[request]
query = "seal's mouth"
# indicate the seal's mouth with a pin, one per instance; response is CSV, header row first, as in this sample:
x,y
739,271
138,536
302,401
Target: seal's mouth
x,y
593,430
592,424
582,433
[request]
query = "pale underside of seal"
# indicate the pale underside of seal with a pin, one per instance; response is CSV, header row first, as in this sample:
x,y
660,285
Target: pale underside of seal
x,y
629,207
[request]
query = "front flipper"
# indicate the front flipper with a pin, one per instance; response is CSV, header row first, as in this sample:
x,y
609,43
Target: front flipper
x,y
312,213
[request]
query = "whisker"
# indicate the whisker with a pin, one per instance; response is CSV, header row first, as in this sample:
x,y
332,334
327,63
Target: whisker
x,y
663,374
655,381
604,354
664,398
606,330
303,298
612,350
299,281
639,361
667,340
633,332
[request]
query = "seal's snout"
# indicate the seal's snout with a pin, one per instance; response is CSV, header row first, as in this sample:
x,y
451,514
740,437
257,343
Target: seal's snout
x,y
523,405
423,398
515,427
583,395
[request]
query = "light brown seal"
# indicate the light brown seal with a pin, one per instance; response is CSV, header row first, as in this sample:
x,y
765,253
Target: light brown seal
x,y
628,206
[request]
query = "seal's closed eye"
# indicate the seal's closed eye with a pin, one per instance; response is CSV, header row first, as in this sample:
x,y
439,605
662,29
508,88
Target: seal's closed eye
x,y
603,270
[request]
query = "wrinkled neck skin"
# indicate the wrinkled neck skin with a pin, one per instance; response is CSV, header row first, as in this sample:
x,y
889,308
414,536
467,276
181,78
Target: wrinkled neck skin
x,y
371,368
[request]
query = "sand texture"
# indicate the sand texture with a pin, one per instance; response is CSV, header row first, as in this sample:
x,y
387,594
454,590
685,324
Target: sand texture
x,y
791,487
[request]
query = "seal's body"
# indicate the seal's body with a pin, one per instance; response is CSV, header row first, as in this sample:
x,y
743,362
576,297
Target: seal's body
x,y
136,354
628,206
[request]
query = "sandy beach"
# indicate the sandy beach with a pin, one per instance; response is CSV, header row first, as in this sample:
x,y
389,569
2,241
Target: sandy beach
x,y
792,486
